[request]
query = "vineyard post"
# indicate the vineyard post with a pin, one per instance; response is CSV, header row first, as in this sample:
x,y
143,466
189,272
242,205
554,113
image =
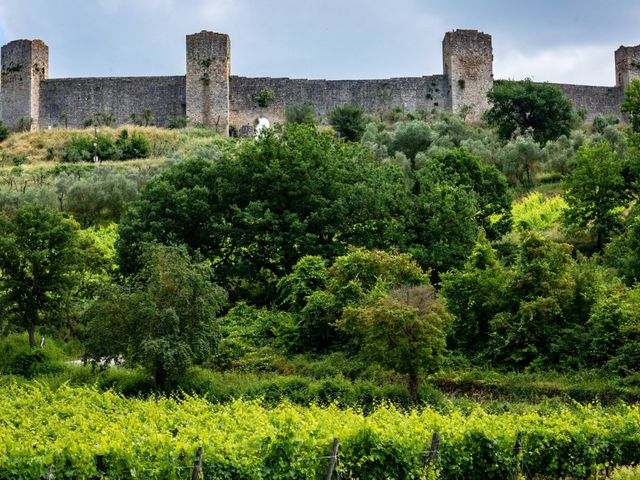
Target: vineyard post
x,y
516,453
49,475
333,459
592,446
433,451
195,475
100,466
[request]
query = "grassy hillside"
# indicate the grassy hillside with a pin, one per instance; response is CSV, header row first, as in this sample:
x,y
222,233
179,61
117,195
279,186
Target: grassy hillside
x,y
46,146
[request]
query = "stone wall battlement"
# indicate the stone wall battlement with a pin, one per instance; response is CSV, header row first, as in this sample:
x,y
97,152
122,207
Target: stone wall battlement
x,y
208,94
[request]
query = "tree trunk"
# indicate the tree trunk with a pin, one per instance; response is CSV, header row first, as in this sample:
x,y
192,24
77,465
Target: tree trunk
x,y
413,384
32,335
160,376
600,240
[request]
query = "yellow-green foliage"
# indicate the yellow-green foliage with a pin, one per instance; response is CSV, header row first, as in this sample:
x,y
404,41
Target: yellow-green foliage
x,y
538,213
626,473
158,439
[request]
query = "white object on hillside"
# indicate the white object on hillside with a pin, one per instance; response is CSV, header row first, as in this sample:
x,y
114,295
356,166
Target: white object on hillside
x,y
262,124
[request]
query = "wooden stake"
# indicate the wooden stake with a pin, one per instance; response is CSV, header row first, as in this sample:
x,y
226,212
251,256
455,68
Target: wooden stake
x,y
516,452
198,466
333,459
433,451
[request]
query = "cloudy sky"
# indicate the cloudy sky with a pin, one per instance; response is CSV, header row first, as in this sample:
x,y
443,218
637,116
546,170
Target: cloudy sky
x,y
569,41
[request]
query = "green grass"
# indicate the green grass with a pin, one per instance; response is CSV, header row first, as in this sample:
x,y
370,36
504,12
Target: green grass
x,y
46,146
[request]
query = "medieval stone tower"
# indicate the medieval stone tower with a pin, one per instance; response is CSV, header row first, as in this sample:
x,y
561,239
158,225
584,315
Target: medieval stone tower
x,y
25,63
627,65
207,81
468,66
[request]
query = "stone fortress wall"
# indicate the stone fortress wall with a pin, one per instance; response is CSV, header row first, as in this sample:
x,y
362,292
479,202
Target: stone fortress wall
x,y
209,95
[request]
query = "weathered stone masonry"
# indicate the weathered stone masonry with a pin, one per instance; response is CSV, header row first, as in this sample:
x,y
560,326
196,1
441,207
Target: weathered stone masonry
x,y
209,95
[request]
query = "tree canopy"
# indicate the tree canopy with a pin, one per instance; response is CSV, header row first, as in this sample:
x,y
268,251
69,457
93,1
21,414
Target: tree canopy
x,y
523,107
163,318
39,253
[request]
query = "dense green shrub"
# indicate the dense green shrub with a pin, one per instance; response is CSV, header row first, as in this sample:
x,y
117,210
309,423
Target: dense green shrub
x,y
538,213
4,132
132,146
322,205
602,121
79,149
349,121
301,113
18,358
179,121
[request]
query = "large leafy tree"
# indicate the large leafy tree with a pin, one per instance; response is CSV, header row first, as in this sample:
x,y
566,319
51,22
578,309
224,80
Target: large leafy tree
x,y
164,318
40,253
318,294
403,329
295,192
596,192
484,182
519,107
442,225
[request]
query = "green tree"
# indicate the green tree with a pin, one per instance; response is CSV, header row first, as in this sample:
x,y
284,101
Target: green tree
x,y
492,195
596,192
349,121
602,121
39,253
520,160
441,224
520,107
411,138
295,192
403,329
164,318
100,199
631,104
474,294
624,252
301,113
319,294
614,331
523,332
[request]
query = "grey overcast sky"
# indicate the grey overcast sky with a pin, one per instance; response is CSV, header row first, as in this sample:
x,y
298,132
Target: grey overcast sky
x,y
569,41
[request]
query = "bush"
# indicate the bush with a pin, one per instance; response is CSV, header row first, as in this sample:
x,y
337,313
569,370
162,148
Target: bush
x,y
301,113
537,213
130,147
348,121
4,132
264,97
602,121
79,149
179,121
17,358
